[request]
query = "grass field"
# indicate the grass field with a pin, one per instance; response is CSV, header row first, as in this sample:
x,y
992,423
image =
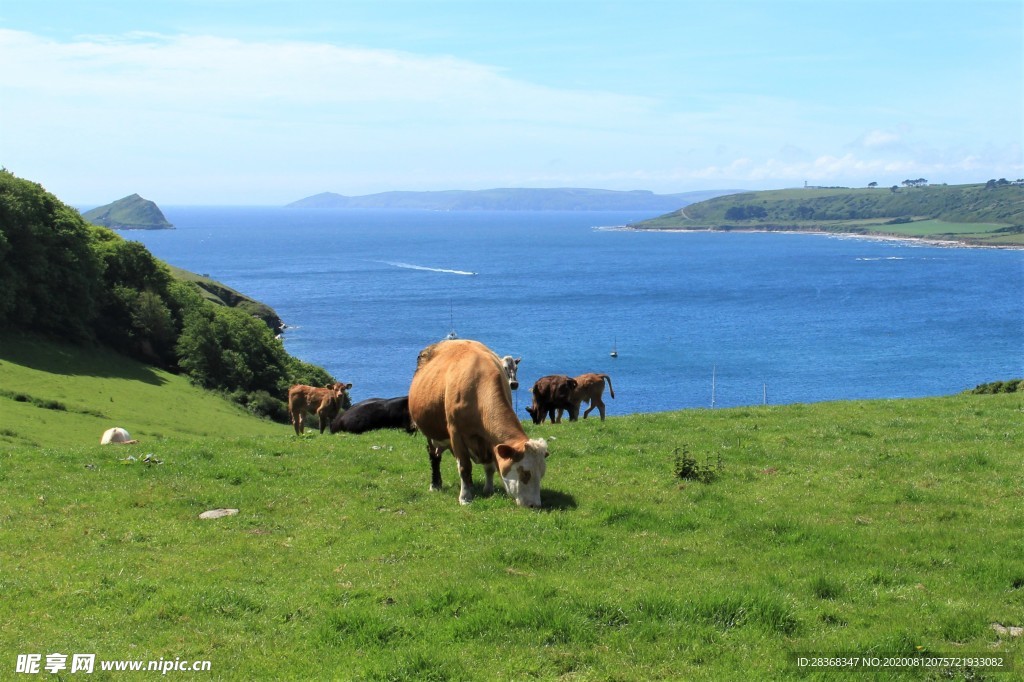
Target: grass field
x,y
53,394
877,528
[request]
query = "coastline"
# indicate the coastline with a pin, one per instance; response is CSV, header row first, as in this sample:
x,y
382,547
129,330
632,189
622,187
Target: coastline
x,y
907,239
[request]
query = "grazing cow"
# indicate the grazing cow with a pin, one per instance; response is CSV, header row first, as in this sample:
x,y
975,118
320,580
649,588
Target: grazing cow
x,y
460,399
589,388
551,395
373,414
325,403
511,366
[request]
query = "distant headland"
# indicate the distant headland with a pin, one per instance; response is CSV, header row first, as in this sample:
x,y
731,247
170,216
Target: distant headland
x,y
982,214
515,199
130,213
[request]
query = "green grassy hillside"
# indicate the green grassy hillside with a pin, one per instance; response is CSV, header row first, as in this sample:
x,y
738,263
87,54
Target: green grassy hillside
x,y
876,528
54,395
969,214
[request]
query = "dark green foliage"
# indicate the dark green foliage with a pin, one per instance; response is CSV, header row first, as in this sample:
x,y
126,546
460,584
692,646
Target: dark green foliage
x,y
300,372
746,212
135,315
225,348
49,272
70,280
687,467
1011,386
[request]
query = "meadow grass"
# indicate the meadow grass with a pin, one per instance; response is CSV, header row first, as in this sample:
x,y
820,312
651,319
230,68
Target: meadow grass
x,y
59,394
880,527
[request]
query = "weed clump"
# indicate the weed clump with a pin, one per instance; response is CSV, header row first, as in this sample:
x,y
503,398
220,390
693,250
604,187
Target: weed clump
x,y
687,467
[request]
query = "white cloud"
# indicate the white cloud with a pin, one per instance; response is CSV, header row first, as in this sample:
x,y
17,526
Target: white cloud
x,y
207,119
228,107
880,139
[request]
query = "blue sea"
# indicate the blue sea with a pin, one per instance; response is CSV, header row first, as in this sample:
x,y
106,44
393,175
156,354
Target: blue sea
x,y
697,319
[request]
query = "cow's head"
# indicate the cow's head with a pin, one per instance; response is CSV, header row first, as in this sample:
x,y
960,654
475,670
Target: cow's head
x,y
535,414
511,366
521,470
337,398
339,389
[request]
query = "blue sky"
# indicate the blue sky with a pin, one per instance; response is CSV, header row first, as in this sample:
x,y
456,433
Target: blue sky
x,y
266,102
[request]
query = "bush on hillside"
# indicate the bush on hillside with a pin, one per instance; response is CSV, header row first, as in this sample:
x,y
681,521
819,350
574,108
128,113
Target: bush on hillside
x,y
1011,386
49,270
65,278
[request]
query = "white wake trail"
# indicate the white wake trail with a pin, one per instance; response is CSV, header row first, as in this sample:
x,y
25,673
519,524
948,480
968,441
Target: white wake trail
x,y
410,266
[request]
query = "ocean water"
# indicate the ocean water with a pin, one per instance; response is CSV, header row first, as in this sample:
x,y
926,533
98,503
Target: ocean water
x,y
696,318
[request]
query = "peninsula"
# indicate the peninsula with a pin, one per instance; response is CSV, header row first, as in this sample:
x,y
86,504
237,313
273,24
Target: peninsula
x,y
989,214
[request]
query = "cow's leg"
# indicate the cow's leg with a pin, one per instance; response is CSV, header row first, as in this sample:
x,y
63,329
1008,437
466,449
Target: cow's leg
x,y
600,407
297,422
489,470
466,474
434,452
556,415
461,450
574,412
594,403
321,414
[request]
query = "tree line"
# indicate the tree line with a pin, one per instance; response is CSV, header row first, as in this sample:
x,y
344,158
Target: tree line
x,y
64,278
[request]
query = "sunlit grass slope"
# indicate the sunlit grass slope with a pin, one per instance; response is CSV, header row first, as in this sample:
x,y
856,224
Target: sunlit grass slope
x,y
53,394
886,527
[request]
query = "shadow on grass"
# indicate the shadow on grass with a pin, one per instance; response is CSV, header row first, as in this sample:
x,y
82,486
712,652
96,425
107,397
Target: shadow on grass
x,y
57,357
552,500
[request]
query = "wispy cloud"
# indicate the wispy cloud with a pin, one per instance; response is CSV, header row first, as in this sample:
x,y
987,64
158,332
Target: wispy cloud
x,y
223,119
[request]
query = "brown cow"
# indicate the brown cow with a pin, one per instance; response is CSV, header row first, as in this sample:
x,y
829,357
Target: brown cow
x,y
551,395
325,403
589,388
460,400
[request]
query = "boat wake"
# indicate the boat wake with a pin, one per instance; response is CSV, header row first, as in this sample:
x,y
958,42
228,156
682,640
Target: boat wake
x,y
410,266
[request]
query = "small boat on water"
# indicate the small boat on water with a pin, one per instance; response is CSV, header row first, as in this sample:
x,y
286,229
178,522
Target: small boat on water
x,y
615,350
451,315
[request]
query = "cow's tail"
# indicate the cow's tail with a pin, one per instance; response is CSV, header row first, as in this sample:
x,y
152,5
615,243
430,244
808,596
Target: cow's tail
x,y
611,391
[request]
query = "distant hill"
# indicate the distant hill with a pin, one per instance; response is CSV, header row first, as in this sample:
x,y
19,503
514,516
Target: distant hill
x,y
130,213
979,214
514,199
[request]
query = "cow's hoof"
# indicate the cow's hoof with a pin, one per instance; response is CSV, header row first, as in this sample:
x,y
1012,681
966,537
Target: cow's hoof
x,y
435,488
465,500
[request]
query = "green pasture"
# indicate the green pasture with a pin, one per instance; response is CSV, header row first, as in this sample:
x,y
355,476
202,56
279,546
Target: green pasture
x,y
973,233
63,395
882,527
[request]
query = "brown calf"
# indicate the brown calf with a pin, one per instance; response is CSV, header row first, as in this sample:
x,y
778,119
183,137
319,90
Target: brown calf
x,y
325,403
589,388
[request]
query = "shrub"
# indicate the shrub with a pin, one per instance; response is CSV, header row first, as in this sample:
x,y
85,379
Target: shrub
x,y
689,468
1011,386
